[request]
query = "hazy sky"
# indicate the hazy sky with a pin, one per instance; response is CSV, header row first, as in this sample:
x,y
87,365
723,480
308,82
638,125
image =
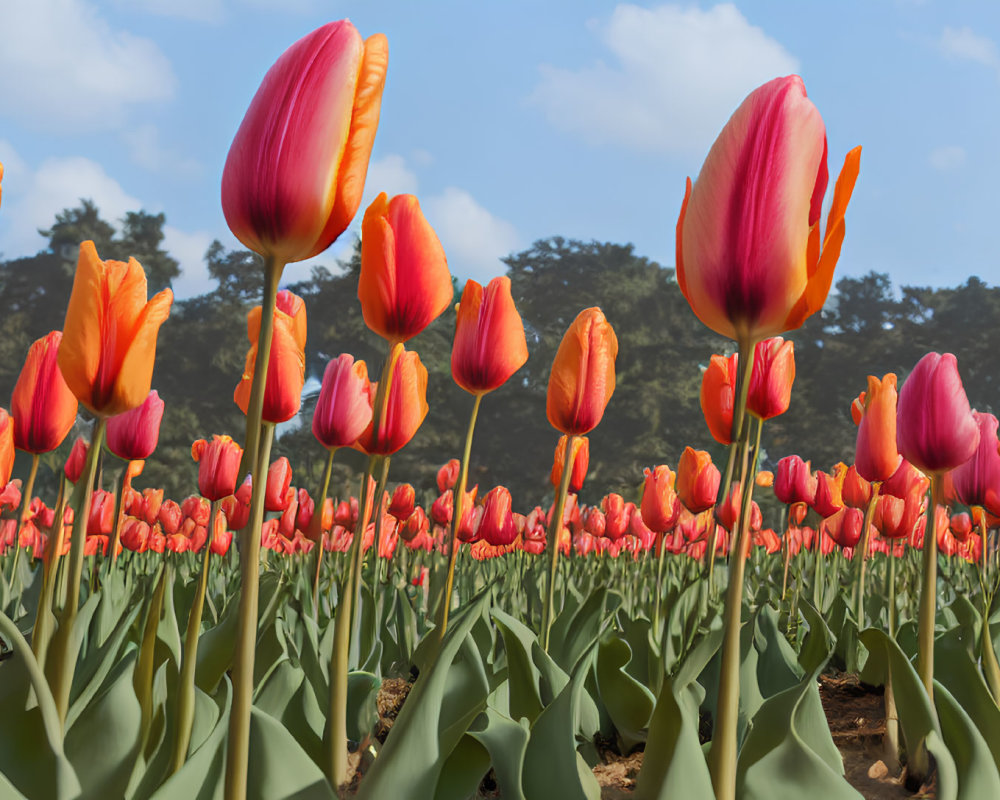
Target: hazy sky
x,y
514,120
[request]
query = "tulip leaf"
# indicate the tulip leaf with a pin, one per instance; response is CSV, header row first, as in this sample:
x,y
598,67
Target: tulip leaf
x,y
977,771
576,629
681,625
506,742
463,771
530,671
279,767
628,702
778,667
818,645
362,708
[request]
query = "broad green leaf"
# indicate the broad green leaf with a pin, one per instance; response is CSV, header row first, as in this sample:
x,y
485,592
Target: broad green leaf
x,y
463,771
977,771
279,767
215,650
506,742
777,668
628,702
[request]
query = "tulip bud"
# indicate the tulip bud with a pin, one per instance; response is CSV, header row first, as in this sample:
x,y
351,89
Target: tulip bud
x,y
403,502
580,455
405,408
76,460
170,517
218,466
660,506
497,526
344,407
42,405
772,377
856,491
794,481
718,393
977,481
697,480
489,337
279,480
876,456
582,379
615,516
6,447
133,435
448,474
415,525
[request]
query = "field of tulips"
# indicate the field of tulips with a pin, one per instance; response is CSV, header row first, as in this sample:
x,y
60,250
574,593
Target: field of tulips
x,y
724,631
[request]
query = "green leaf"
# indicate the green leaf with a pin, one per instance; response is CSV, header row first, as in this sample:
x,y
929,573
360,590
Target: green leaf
x,y
463,771
215,650
977,771
819,643
778,667
279,767
576,629
506,742
629,703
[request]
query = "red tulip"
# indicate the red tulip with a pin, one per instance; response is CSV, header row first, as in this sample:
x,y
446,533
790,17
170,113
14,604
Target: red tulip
x,y
404,283
794,481
977,481
829,491
448,474
218,466
961,526
771,379
660,505
489,337
615,516
76,460
583,374
935,429
344,407
750,258
102,513
718,396
905,479
845,527
697,480
580,455
403,502
497,526
405,407
279,480
296,170
6,447
42,405
133,435
856,492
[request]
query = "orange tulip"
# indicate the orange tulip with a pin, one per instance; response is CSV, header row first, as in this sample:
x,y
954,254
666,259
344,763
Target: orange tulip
x,y
580,455
109,337
718,395
660,506
697,480
286,370
876,456
404,284
405,407
583,374
6,447
43,407
489,337
296,170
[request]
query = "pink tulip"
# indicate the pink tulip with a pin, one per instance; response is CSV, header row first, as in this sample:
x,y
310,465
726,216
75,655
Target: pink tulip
x,y
344,408
134,434
977,481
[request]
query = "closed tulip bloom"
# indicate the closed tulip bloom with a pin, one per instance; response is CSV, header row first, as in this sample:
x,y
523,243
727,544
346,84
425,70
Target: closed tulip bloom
x,y
42,405
772,377
497,526
895,517
829,491
845,527
296,169
443,508
659,506
697,480
615,516
907,478
594,521
489,337
856,492
405,407
580,454
6,447
77,458
750,257
134,434
108,347
935,429
794,481
876,456
344,407
404,284
718,396
583,374
961,525
286,370
404,499
448,474
218,466
279,480
977,481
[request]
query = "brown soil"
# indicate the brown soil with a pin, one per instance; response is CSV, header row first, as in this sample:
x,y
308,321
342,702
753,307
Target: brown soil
x,y
390,701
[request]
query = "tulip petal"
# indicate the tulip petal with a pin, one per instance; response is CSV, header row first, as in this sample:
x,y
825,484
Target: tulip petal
x,y
136,372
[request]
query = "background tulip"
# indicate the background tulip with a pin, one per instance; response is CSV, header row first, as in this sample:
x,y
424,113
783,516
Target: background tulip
x,y
134,434
583,374
489,337
580,456
344,407
6,447
296,169
771,381
977,481
697,480
749,259
405,407
218,466
42,405
718,396
876,456
794,481
660,506
404,283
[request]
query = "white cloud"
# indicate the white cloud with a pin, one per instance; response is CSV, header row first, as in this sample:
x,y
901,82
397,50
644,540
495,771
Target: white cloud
x,y
195,10
967,45
31,199
947,158
189,250
389,174
474,240
64,68
676,75
147,151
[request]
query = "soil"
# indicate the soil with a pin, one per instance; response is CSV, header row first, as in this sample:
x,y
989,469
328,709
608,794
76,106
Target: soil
x,y
854,711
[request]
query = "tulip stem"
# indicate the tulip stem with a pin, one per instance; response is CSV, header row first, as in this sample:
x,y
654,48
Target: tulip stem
x,y
29,488
458,500
318,528
722,756
119,514
63,655
336,736
255,407
44,613
553,535
238,746
861,553
185,681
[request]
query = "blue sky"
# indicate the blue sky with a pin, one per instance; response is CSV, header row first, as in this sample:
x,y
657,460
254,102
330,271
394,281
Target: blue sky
x,y
515,120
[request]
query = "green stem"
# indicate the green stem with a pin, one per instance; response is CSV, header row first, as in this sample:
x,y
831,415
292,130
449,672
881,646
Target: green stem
x,y
318,526
22,516
142,678
555,529
928,595
44,618
185,682
458,498
64,658
862,554
989,656
722,757
238,747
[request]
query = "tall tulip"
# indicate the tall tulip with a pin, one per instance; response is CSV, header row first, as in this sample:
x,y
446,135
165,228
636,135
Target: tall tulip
x,y
405,406
218,466
977,481
42,405
404,283
876,456
750,258
296,169
718,395
583,374
344,407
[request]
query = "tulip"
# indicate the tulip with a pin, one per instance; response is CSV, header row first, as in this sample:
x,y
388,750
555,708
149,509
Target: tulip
x,y
403,502
344,407
296,170
489,337
279,480
76,459
42,405
697,480
443,508
749,255
718,392
218,466
615,516
580,456
977,481
286,370
594,521
856,492
876,456
583,374
404,409
772,377
497,526
961,526
905,479
108,347
102,513
794,481
6,447
764,479
845,527
133,435
404,283
660,506
448,474
170,517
